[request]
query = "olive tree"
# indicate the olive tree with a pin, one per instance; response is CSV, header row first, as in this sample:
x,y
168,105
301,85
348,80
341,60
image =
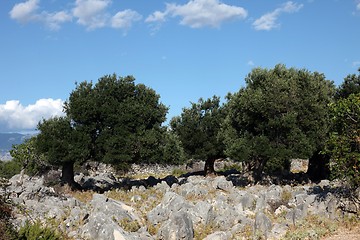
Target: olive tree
x,y
198,129
114,121
280,114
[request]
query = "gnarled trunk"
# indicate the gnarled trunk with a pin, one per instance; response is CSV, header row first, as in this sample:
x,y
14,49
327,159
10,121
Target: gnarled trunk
x,y
209,166
67,176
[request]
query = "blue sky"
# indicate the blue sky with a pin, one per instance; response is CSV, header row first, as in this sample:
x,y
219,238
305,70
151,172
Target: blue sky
x,y
184,49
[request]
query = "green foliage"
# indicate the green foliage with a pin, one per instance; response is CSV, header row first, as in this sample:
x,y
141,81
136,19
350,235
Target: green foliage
x,y
25,155
60,142
114,121
351,85
280,114
173,151
9,168
120,119
198,128
36,231
344,143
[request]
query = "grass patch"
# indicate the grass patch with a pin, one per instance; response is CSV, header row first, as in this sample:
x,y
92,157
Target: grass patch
x,y
128,225
141,200
82,196
177,172
312,227
203,230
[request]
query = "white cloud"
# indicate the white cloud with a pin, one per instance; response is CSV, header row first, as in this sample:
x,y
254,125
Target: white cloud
x,y
53,20
157,16
200,13
91,13
124,19
358,5
16,117
25,11
269,20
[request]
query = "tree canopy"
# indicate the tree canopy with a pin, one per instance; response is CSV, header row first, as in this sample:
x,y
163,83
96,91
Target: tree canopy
x,y
350,85
280,114
198,128
114,121
343,145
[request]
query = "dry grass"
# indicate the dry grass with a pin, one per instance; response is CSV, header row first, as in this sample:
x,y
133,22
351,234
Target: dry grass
x,y
82,196
203,230
312,227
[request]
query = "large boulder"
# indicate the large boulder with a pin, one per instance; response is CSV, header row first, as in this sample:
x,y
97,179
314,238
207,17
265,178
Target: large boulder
x,y
171,203
104,220
178,227
262,224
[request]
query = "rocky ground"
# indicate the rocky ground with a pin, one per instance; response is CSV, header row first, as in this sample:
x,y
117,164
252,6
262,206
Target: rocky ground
x,y
187,207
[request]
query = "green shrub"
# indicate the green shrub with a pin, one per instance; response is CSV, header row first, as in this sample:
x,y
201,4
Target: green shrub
x,y
9,168
36,231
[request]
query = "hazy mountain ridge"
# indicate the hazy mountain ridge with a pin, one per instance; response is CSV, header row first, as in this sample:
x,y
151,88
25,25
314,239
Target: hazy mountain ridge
x,y
7,140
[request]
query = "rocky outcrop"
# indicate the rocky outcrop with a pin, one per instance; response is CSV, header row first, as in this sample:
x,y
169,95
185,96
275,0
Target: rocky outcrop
x,y
175,208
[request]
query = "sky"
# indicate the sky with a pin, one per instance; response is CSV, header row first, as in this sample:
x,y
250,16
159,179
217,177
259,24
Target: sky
x,y
183,49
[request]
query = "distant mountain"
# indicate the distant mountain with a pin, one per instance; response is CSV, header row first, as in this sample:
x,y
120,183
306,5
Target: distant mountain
x,y
7,140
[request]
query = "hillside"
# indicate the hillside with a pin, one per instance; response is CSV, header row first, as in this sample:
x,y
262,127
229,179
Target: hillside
x,y
184,207
7,140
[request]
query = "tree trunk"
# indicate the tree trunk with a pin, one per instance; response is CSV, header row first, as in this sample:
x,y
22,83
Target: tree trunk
x,y
258,171
67,176
209,166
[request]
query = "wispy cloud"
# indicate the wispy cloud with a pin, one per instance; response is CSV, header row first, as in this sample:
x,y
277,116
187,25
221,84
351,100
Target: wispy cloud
x,y
26,12
269,20
91,14
125,19
16,117
54,20
200,13
358,5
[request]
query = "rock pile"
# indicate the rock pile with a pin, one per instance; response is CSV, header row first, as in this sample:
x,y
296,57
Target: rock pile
x,y
194,207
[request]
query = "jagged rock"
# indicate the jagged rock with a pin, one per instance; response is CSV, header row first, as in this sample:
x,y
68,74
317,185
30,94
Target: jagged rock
x,y
178,227
196,186
297,214
225,215
162,186
247,202
103,221
187,202
113,209
222,184
101,226
262,224
202,212
171,203
261,203
279,231
281,210
219,236
101,182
